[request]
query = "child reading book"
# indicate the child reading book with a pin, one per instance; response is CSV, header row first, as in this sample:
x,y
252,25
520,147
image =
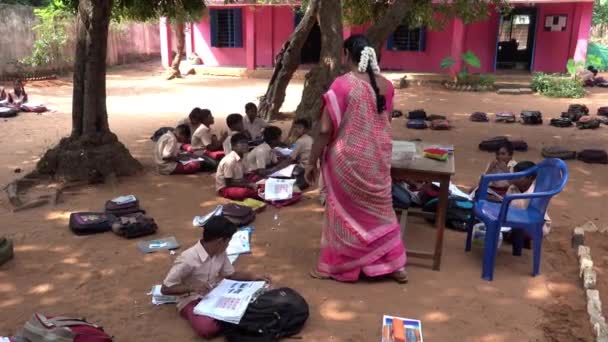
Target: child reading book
x,y
167,153
263,156
197,270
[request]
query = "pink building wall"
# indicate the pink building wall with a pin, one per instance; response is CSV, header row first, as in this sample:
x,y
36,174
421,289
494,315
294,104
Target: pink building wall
x,y
266,28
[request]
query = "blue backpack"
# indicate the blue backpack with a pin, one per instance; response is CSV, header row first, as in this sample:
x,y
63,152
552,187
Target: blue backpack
x,y
460,211
417,124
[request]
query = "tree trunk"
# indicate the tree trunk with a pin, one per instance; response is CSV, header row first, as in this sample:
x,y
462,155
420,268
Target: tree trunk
x,y
287,62
92,151
181,42
385,26
322,75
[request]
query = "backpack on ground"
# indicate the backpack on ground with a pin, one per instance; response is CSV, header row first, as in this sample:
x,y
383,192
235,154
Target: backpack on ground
x,y
492,144
8,112
238,214
401,197
602,111
588,122
134,226
26,107
460,211
62,329
593,156
396,114
434,117
417,114
506,117
576,111
121,209
519,145
90,223
531,117
273,315
479,117
6,250
602,119
440,125
417,124
558,152
561,122
428,192
160,132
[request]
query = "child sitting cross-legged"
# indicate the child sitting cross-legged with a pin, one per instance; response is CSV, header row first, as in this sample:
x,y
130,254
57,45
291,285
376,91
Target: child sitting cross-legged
x,y
167,153
262,160
230,179
503,163
252,123
204,139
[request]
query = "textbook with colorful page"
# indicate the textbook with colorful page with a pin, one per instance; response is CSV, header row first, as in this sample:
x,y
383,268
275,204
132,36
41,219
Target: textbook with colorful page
x,y
229,299
397,329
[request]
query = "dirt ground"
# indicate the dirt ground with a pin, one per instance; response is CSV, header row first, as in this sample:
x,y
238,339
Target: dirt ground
x,y
105,278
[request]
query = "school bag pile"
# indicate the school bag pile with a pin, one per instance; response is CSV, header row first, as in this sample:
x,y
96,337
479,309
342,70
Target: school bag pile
x,y
41,328
122,215
418,119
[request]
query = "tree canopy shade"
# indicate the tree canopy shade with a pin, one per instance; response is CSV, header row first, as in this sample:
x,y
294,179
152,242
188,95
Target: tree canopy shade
x,y
383,15
92,151
33,3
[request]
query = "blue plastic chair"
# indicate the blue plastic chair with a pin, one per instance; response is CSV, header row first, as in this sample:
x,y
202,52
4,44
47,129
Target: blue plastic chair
x,y
551,178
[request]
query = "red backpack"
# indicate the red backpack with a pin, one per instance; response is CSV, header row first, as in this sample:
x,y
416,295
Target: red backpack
x,y
62,329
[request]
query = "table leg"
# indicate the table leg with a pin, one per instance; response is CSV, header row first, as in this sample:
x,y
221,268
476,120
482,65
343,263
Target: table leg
x,y
440,221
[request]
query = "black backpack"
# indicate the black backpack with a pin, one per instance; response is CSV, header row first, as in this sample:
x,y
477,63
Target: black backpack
x,y
479,117
602,111
588,124
576,111
417,114
593,156
459,213
531,117
561,122
273,315
493,144
134,226
401,197
90,223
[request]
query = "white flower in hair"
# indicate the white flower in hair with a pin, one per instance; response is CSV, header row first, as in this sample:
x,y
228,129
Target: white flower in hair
x,y
368,57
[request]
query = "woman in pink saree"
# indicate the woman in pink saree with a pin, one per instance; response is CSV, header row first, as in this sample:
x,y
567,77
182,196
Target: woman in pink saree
x,y
361,233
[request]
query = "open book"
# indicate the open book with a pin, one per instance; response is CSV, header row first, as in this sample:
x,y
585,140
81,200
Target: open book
x,y
158,298
397,329
228,301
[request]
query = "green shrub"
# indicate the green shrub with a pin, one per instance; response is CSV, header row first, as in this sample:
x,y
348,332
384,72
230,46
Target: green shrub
x,y
486,80
556,85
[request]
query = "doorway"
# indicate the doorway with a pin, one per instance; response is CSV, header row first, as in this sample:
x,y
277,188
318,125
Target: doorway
x,y
311,51
516,39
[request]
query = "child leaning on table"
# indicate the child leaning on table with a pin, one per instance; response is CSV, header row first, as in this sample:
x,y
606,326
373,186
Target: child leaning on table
x,y
197,270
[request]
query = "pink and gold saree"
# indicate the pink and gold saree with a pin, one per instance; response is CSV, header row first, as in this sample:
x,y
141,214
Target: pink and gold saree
x,y
360,230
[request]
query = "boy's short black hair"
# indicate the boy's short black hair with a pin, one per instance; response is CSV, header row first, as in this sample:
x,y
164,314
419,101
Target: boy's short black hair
x,y
302,122
195,114
239,137
251,105
272,133
205,113
507,145
218,227
233,120
183,130
523,166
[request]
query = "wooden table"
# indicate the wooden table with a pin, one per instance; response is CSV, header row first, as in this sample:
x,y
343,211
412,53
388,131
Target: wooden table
x,y
424,169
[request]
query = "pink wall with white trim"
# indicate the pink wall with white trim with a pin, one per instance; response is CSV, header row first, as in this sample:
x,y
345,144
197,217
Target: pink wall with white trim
x,y
266,28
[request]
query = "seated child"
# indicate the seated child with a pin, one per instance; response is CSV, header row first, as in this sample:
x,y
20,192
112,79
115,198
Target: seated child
x,y
204,139
526,186
193,120
303,144
503,163
230,179
18,96
197,270
235,125
263,156
253,124
167,153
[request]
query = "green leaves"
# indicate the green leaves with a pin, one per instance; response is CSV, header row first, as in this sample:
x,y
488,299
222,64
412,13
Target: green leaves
x,y
573,67
557,86
447,62
471,59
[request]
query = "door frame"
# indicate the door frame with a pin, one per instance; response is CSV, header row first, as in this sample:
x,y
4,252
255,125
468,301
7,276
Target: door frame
x,y
536,12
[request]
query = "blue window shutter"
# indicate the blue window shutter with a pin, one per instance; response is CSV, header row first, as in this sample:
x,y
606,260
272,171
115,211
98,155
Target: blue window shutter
x,y
237,26
390,42
214,28
422,40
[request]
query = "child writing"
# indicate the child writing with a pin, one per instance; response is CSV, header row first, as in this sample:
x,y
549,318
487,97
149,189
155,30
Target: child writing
x,y
193,120
253,124
167,153
230,179
204,139
301,152
263,155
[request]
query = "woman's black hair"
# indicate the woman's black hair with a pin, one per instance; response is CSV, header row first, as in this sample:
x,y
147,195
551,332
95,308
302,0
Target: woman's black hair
x,y
355,45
